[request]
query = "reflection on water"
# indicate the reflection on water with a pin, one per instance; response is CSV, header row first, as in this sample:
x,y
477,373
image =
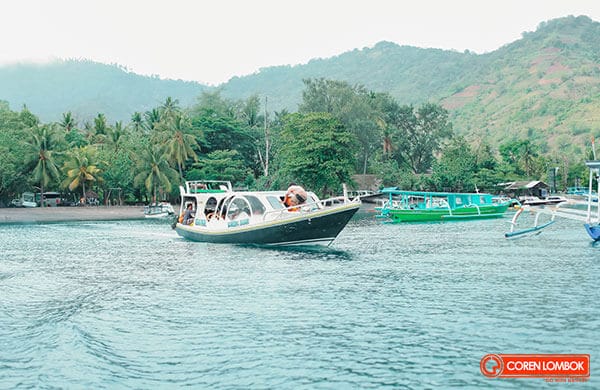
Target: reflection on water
x,y
130,304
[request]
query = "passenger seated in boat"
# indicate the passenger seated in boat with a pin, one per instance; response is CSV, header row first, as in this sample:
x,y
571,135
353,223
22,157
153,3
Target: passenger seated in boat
x,y
237,213
188,216
295,196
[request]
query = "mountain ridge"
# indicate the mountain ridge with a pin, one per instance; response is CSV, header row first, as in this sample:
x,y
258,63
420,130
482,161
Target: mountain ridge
x,y
544,86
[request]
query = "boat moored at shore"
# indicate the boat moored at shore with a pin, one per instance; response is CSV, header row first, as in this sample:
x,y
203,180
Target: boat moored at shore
x,y
159,210
419,206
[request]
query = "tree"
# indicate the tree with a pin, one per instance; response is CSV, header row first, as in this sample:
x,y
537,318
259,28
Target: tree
x,y
81,168
180,143
221,165
137,122
115,134
154,171
351,105
421,134
13,131
455,170
170,108
317,151
151,119
41,145
521,156
68,122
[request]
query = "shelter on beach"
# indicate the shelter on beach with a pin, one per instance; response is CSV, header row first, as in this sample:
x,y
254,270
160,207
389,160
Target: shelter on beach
x,y
525,188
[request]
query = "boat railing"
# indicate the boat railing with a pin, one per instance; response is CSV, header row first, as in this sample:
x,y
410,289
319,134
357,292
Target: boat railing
x,y
207,186
308,207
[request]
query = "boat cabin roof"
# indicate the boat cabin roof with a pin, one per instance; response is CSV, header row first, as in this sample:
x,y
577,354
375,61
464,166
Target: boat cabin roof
x,y
397,191
593,164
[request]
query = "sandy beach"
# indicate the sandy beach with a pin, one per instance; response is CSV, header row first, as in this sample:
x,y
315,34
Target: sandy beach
x,y
66,214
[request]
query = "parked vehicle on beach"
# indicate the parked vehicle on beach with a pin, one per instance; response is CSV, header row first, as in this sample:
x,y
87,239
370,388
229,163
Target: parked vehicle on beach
x,y
51,199
27,199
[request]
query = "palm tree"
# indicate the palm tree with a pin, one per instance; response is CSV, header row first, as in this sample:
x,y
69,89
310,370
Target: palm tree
x,y
116,134
151,119
41,144
179,143
68,122
154,171
137,122
80,169
170,108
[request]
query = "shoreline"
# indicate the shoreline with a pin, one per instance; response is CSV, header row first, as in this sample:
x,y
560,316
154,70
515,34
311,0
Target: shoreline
x,y
69,214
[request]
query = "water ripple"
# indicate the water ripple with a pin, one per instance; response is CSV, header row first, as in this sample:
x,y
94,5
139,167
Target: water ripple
x,y
131,305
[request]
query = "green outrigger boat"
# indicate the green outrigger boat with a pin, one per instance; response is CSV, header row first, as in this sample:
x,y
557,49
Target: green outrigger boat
x,y
418,206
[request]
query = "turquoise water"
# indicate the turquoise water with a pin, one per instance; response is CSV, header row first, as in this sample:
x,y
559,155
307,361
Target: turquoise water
x,y
131,305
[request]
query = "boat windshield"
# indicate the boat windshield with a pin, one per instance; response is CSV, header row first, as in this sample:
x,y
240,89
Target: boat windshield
x,y
257,207
275,202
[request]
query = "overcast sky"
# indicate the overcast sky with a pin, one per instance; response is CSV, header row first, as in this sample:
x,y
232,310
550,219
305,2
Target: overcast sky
x,y
211,41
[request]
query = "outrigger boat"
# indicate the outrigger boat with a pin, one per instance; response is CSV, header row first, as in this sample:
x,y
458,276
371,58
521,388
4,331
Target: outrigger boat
x,y
260,217
538,226
418,206
593,228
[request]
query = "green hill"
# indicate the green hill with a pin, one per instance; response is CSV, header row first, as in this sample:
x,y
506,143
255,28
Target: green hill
x,y
87,88
544,86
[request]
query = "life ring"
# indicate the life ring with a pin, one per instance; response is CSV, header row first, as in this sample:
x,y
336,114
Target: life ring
x,y
211,216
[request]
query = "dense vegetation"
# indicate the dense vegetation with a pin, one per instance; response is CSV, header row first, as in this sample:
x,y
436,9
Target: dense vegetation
x,y
418,118
339,130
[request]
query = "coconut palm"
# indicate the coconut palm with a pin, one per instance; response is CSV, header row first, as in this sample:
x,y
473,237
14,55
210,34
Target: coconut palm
x,y
170,108
151,119
115,135
180,143
41,145
68,122
80,168
154,171
137,122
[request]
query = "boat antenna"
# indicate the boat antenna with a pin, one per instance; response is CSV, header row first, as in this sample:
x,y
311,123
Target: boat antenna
x,y
593,147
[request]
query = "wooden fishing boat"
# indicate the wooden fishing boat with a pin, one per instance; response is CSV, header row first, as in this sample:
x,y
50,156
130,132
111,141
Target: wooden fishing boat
x,y
418,206
260,217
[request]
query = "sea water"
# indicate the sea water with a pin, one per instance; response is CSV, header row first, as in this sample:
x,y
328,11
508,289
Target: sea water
x,y
132,305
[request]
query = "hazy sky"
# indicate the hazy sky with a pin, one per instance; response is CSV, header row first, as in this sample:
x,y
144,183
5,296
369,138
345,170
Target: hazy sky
x,y
211,41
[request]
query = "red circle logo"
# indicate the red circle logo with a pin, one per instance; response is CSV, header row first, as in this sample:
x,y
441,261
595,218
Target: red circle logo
x,y
491,365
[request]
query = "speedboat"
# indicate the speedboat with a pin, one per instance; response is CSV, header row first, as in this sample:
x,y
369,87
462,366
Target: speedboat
x,y
223,215
159,210
531,201
555,199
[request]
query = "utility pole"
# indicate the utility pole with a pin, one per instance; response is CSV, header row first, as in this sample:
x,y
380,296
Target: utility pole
x,y
267,146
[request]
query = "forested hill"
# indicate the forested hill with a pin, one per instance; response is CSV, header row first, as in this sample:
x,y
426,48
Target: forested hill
x,y
87,88
544,86
410,74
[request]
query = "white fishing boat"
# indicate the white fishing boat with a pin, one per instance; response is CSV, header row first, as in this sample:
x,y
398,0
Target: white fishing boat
x,y
159,210
220,215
